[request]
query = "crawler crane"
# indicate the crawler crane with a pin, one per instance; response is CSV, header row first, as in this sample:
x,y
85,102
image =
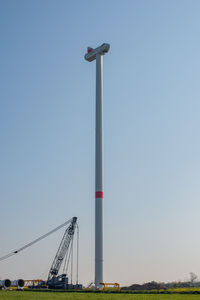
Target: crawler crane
x,y
54,280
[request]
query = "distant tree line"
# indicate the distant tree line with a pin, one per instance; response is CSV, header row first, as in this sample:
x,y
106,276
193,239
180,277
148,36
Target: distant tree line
x,y
153,285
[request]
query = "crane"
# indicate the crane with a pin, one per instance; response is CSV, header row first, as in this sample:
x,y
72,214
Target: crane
x,y
65,252
61,281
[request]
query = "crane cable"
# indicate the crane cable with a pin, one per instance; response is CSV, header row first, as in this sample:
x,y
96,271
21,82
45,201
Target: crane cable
x,y
65,263
72,255
77,253
69,257
35,241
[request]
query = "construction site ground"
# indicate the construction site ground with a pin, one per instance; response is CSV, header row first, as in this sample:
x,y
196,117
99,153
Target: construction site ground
x,y
17,295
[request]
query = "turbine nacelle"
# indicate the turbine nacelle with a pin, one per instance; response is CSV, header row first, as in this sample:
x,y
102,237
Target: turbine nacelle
x,y
92,53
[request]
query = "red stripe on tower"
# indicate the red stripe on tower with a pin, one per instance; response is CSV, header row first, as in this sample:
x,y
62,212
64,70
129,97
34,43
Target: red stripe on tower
x,y
99,194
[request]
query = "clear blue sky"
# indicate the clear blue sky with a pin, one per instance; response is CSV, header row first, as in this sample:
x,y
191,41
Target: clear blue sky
x,y
151,121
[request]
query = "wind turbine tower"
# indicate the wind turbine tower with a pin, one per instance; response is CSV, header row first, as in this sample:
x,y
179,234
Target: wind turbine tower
x,y
97,54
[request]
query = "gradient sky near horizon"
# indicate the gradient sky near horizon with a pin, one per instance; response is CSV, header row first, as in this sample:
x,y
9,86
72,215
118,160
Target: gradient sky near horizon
x,y
151,129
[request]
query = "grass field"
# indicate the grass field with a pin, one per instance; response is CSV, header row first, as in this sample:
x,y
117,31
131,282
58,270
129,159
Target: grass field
x,y
13,295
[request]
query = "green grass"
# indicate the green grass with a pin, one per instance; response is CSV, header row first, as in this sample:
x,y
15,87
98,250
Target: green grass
x,y
15,295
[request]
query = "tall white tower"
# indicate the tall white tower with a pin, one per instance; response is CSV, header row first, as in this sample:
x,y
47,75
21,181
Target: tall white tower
x,y
91,55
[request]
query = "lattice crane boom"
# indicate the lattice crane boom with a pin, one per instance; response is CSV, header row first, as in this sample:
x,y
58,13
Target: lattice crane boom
x,y
62,250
